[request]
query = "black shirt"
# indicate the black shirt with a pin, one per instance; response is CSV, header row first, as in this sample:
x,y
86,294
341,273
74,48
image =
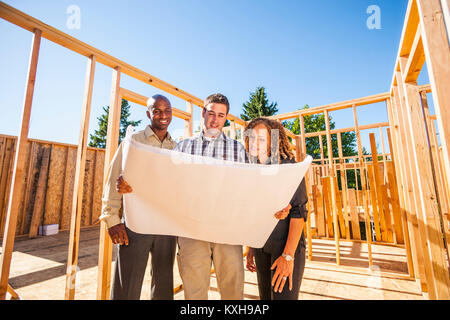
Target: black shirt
x,y
277,240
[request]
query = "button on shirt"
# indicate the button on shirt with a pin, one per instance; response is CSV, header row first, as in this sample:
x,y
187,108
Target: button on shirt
x,y
222,147
111,199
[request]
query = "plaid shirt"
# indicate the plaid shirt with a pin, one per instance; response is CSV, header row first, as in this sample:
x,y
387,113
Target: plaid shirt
x,y
222,147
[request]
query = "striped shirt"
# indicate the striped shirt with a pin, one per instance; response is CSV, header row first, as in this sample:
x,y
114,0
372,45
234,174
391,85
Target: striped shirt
x,y
222,147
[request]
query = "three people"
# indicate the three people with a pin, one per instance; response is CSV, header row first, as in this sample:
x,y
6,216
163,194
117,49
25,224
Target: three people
x,y
282,259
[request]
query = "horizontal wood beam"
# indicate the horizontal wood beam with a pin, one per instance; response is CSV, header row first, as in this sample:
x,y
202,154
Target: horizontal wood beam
x,y
29,23
409,29
416,59
335,131
333,107
342,105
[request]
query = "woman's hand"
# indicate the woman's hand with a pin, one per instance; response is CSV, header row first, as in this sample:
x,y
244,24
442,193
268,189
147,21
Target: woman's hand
x,y
283,213
251,260
283,271
122,186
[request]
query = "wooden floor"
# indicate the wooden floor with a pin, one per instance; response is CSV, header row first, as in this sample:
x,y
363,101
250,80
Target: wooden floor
x,y
38,271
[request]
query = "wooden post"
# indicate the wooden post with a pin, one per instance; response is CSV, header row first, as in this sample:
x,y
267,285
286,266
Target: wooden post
x,y
189,124
319,210
384,153
233,129
334,188
427,276
19,163
77,200
308,184
385,217
394,187
301,155
356,232
437,52
428,213
39,200
363,188
373,200
112,142
408,188
346,211
358,200
326,192
436,166
322,168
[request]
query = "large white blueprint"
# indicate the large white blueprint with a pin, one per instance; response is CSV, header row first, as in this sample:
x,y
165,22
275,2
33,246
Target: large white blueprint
x,y
204,198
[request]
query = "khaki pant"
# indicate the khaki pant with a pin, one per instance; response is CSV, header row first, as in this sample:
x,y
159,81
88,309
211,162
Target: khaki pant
x,y
194,263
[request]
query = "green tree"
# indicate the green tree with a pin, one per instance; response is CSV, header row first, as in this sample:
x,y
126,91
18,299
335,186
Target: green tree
x,y
98,139
258,105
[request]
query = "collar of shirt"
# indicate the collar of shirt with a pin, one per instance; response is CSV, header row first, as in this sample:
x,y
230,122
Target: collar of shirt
x,y
222,136
149,132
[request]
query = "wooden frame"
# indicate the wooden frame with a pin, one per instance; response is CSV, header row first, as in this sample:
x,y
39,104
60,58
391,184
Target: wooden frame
x,y
418,173
13,205
75,222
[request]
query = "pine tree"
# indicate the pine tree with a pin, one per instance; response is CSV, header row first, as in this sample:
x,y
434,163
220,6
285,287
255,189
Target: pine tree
x,y
98,139
258,105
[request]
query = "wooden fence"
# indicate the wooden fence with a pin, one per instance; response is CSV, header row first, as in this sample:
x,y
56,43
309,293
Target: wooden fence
x,y
47,187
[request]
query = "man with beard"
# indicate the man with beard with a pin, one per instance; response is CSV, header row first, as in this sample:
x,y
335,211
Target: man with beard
x,y
195,256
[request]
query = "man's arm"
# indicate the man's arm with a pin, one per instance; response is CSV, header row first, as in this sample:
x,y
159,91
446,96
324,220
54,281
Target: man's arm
x,y
111,199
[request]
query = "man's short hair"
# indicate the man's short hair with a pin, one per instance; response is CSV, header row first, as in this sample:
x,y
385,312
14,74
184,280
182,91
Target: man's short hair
x,y
218,98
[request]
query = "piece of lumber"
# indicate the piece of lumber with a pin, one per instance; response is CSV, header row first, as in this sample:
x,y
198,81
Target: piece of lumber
x,y
437,53
19,161
408,185
112,143
326,184
319,210
356,232
363,188
77,200
383,207
374,202
428,212
39,201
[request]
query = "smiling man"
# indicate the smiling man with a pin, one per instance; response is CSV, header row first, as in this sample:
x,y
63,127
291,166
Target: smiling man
x,y
195,256
134,248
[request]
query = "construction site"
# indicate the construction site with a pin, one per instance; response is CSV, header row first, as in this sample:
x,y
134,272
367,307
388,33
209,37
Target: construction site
x,y
385,238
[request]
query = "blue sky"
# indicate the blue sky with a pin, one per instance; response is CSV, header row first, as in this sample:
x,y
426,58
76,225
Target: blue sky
x,y
302,52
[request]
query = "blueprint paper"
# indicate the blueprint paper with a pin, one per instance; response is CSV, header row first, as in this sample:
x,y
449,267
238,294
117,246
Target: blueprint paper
x,y
204,198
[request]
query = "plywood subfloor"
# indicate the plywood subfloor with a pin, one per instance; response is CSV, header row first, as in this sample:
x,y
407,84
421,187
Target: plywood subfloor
x,y
38,271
